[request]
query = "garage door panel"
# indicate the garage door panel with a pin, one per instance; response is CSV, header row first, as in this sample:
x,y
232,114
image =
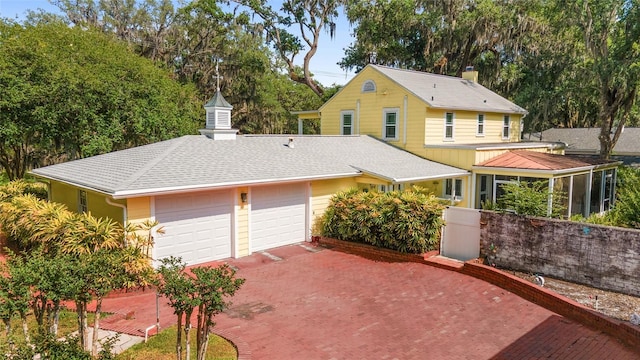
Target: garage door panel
x,y
278,215
197,227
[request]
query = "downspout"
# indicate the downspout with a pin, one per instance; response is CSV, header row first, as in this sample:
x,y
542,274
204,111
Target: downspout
x,y
357,132
124,216
473,184
404,120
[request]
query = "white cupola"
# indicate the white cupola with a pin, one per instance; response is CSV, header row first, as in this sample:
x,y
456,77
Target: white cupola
x,y
218,116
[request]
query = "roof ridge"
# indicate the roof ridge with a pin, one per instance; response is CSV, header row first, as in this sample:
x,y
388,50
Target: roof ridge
x,y
142,170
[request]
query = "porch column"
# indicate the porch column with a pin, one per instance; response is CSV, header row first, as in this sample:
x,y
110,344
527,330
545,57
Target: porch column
x,y
588,194
300,128
550,198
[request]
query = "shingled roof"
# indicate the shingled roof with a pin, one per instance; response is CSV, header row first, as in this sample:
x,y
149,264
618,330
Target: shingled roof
x,y
197,162
449,92
585,140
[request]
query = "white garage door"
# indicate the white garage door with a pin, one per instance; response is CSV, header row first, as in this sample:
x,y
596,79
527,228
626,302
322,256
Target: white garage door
x,y
278,215
197,226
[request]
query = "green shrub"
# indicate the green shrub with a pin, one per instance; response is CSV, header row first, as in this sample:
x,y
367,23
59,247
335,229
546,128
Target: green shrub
x,y
21,187
626,210
406,221
532,198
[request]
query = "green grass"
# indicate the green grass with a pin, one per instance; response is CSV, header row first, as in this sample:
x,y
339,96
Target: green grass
x,y
67,324
163,347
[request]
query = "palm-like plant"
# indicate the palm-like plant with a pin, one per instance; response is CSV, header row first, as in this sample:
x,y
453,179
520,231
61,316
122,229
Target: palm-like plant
x,y
89,234
51,225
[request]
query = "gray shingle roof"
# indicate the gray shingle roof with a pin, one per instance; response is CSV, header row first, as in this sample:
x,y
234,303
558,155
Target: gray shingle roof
x,y
585,140
448,92
198,162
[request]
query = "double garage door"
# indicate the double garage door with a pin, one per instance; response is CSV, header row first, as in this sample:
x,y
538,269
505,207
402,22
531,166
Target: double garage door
x,y
199,228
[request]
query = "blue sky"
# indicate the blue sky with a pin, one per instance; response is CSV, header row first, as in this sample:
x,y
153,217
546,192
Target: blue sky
x,y
323,64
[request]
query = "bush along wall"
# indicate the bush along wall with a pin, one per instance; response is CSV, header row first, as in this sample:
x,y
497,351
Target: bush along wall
x,y
406,221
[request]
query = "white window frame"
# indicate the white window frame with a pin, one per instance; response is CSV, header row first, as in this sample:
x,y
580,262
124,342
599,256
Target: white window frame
x,y
506,127
364,87
342,126
480,125
82,201
452,126
458,188
385,112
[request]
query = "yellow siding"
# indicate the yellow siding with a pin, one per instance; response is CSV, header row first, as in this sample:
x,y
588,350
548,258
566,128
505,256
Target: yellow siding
x,y
138,209
461,158
321,192
370,180
64,194
484,155
465,127
436,187
242,223
98,207
96,202
368,110
417,124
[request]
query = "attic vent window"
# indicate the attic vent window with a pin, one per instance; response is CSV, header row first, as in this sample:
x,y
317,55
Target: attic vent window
x,y
369,86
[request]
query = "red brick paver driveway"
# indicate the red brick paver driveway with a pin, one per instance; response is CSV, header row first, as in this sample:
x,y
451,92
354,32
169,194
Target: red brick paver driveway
x,y
332,305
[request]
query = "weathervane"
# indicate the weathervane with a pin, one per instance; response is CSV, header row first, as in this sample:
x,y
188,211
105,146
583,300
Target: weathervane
x,y
217,76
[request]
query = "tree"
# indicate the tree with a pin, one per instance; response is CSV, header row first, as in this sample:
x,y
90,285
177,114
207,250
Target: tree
x,y
206,291
213,285
14,298
441,36
176,285
71,92
73,257
310,18
611,33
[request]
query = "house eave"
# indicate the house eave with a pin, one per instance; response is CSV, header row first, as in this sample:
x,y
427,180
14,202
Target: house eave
x,y
488,110
416,178
221,186
75,184
490,147
537,171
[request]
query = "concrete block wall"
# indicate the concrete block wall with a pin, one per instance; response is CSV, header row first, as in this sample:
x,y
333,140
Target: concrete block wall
x,y
600,256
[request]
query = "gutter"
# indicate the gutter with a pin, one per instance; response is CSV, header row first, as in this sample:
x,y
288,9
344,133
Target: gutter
x,y
124,216
123,207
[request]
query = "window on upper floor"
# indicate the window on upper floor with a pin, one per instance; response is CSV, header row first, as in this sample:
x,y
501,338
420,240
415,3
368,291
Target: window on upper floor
x,y
346,122
450,189
448,126
368,86
82,201
390,128
480,127
506,127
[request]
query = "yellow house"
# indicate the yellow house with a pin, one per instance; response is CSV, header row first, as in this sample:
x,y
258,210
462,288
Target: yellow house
x,y
451,120
220,195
